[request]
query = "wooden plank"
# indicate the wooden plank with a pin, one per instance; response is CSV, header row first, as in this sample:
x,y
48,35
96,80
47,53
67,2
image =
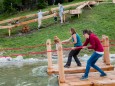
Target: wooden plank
x,y
81,69
105,83
29,21
67,6
93,80
83,5
49,54
22,17
76,11
4,27
92,3
113,1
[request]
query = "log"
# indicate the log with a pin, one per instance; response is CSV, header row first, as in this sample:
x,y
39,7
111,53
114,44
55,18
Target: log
x,y
22,17
67,6
107,52
114,1
49,54
60,63
4,27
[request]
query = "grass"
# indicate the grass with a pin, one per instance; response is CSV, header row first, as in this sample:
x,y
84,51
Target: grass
x,y
100,19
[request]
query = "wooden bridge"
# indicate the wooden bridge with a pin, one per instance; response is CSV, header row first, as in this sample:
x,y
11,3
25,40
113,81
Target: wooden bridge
x,y
71,76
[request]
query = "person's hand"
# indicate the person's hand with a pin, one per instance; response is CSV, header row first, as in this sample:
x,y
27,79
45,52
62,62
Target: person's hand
x,y
70,42
84,47
73,48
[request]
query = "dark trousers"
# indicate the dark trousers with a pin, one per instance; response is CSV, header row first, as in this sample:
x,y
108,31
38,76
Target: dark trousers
x,y
73,53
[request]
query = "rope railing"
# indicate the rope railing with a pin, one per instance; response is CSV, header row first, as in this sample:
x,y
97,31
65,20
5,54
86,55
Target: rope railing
x,y
44,52
40,45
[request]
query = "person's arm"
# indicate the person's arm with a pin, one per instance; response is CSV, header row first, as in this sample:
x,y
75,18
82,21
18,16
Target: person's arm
x,y
67,40
93,45
75,39
86,42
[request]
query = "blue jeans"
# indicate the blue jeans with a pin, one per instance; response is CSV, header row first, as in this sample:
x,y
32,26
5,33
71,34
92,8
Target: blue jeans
x,y
91,63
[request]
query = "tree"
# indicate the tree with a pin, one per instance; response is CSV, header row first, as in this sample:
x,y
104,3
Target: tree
x,y
9,6
1,6
41,4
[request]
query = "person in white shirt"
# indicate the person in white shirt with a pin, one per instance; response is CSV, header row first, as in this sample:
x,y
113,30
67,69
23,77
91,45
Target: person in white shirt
x,y
61,12
40,15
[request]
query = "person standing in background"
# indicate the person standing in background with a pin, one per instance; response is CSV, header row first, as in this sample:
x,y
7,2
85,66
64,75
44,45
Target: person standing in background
x,y
40,15
61,12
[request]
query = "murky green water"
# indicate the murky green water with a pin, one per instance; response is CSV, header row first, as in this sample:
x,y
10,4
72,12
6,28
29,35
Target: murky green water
x,y
28,75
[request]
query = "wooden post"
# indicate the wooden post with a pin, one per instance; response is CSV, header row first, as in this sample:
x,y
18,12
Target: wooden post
x,y
114,1
107,51
9,31
64,17
49,54
78,15
104,44
60,63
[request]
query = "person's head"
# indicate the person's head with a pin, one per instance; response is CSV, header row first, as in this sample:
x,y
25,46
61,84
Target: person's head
x,y
59,4
39,10
72,31
87,33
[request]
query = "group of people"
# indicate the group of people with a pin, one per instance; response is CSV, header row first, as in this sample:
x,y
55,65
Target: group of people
x,y
95,44
61,12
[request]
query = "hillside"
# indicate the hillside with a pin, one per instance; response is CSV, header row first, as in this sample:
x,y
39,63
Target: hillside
x,y
101,19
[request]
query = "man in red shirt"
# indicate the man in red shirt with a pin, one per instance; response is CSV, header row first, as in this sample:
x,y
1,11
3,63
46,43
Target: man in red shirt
x,y
96,45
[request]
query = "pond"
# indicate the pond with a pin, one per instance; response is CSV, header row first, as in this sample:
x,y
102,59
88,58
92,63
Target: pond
x,y
26,73
29,73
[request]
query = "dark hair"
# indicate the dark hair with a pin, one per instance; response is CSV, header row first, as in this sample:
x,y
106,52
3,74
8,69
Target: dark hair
x,y
73,31
87,31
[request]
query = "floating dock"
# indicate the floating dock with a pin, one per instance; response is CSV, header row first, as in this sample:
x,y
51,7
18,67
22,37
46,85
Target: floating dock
x,y
93,80
76,69
71,76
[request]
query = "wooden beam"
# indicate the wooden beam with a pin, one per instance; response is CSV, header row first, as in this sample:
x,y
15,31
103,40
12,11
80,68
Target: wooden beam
x,y
67,6
5,27
60,63
22,17
107,52
49,54
114,1
81,69
9,31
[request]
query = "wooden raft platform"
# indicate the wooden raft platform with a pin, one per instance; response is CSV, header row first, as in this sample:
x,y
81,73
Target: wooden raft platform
x,y
76,69
93,80
66,78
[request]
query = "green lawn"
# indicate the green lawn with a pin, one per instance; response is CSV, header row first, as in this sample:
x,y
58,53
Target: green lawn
x,y
101,19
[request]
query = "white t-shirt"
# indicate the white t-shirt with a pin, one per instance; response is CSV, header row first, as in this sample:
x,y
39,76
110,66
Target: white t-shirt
x,y
40,15
100,52
61,9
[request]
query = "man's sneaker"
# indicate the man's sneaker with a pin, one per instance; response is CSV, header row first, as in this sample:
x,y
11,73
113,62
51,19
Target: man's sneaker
x,y
103,75
84,78
66,66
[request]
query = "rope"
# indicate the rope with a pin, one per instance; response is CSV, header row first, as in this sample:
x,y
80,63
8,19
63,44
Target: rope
x,y
23,47
36,46
44,52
